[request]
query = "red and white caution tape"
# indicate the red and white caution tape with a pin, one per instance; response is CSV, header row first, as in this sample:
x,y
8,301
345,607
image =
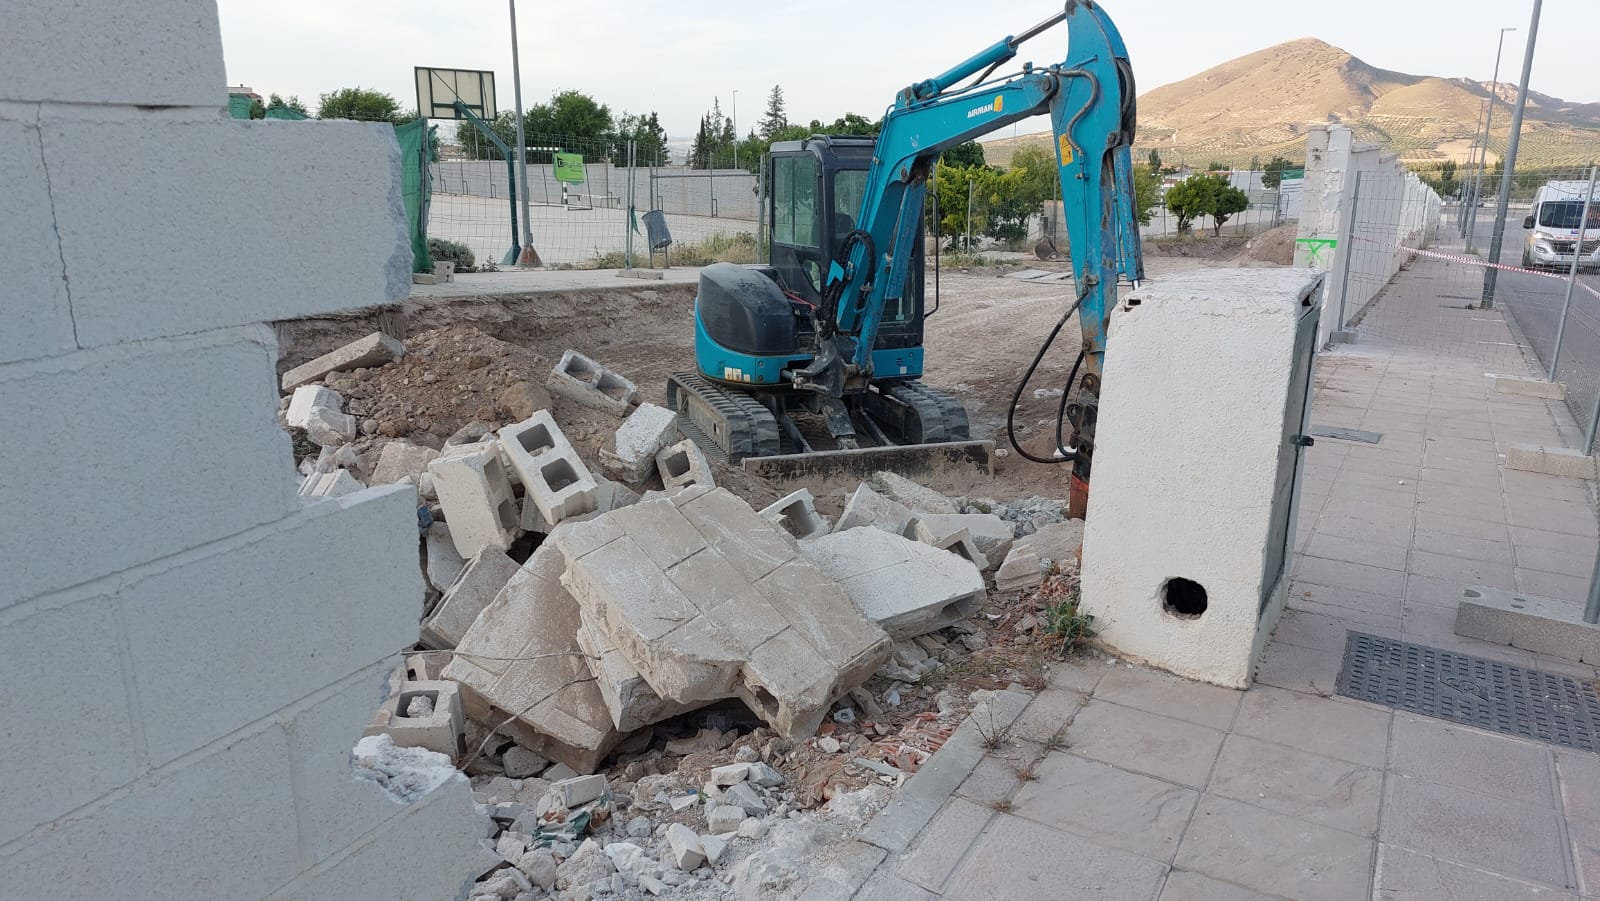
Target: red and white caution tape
x,y
1474,261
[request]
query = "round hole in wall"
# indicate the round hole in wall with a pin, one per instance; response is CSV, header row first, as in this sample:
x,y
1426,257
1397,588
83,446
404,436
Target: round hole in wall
x,y
1183,598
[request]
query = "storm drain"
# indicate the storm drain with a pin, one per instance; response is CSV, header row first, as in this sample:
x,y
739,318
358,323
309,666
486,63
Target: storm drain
x,y
1501,697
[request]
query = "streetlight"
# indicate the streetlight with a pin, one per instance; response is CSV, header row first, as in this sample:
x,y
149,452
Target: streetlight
x,y
736,128
1483,156
529,256
1498,234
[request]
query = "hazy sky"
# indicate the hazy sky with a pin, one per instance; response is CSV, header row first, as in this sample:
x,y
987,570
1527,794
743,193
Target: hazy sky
x,y
833,56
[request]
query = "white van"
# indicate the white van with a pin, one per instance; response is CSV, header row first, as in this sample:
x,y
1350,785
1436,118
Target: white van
x,y
1553,227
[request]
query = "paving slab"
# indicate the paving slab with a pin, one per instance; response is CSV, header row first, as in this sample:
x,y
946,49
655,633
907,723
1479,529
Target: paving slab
x,y
908,588
1183,885
1275,854
1522,841
1142,742
1350,731
1404,875
1306,786
942,846
1158,692
1020,860
1466,758
1109,806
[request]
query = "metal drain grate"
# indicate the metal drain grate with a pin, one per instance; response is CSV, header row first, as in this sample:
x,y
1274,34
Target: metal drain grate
x,y
1501,697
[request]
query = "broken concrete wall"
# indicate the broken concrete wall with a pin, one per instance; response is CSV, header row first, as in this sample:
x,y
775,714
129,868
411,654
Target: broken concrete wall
x,y
192,648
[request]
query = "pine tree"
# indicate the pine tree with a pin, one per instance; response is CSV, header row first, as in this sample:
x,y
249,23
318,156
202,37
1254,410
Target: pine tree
x,y
700,152
1155,161
776,119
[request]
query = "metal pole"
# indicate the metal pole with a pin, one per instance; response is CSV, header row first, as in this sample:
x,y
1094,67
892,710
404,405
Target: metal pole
x,y
529,257
1572,274
1591,610
969,215
627,226
1465,191
736,128
1497,237
1488,122
1348,249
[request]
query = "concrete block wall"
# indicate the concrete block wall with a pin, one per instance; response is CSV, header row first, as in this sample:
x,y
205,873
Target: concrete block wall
x,y
192,649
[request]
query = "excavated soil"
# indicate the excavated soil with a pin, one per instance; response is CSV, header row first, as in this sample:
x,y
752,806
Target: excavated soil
x,y
1274,246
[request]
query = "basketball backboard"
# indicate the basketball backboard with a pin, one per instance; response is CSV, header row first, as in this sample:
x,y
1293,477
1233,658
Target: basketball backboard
x,y
439,89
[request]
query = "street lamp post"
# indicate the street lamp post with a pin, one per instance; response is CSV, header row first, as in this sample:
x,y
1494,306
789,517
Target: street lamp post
x,y
1483,155
736,128
1498,235
529,256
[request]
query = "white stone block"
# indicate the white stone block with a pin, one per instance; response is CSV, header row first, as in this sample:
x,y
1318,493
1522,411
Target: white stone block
x,y
687,853
1543,625
398,460
330,484
105,188
580,379
330,428
82,406
160,53
375,349
578,790
906,587
684,464
869,508
642,435
797,514
478,501
307,398
33,303
915,496
480,580
552,474
1174,546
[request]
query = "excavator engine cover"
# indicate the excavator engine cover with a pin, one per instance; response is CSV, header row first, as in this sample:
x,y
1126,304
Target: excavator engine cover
x,y
742,309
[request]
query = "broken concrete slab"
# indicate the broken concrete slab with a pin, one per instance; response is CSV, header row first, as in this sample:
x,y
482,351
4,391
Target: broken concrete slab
x,y
642,435
687,853
330,428
444,563
330,484
423,715
797,514
375,349
916,497
1033,555
992,535
479,582
958,542
521,669
401,460
477,497
582,380
633,704
307,398
908,588
520,763
1542,625
707,600
684,464
553,476
867,507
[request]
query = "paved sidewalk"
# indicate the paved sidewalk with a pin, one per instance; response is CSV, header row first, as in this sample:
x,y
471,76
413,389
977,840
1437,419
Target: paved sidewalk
x,y
1122,783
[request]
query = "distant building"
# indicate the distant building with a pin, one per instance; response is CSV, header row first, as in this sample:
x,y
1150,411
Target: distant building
x,y
240,99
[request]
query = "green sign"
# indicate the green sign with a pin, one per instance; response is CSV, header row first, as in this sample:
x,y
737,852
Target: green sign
x,y
569,168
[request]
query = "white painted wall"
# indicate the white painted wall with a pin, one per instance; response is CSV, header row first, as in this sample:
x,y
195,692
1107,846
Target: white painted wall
x,y
191,650
1184,466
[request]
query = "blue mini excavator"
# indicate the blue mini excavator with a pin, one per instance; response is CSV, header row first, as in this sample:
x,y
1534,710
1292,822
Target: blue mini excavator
x,y
820,350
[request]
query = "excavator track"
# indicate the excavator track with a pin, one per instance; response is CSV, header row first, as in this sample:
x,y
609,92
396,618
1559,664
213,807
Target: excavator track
x,y
730,422
913,413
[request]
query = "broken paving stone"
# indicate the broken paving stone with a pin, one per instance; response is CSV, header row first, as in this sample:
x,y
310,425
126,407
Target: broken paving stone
x,y
444,563
642,435
869,508
992,535
374,350
473,590
519,762
729,774
743,796
724,818
330,428
687,852
1032,555
307,398
765,776
906,587
918,498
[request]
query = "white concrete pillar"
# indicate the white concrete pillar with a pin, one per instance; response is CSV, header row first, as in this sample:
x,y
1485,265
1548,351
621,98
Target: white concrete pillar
x,y
1187,470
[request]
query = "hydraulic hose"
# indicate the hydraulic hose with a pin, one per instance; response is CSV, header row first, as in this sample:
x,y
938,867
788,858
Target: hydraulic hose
x,y
1068,455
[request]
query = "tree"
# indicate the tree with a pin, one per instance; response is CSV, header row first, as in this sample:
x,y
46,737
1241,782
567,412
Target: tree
x,y
274,102
1255,163
477,146
704,142
257,110
1155,161
776,119
1216,166
968,154
570,117
1272,173
647,134
361,104
1225,201
1146,193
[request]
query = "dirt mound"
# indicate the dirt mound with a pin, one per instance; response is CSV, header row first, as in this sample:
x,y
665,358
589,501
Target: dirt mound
x,y
1204,247
1273,246
448,378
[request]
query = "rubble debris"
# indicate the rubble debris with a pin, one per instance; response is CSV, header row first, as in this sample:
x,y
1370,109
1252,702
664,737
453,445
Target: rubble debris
x,y
708,601
375,349
552,474
642,435
714,846
521,400
307,398
684,464
1032,555
797,514
520,763
958,542
522,672
869,508
330,484
401,460
405,773
577,790
918,498
906,587
330,428
724,818
632,703
478,500
437,724
586,382
992,535
539,865
478,584
444,562
687,852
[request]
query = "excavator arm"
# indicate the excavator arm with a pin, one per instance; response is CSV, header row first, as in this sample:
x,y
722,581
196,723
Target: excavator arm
x,y
1089,97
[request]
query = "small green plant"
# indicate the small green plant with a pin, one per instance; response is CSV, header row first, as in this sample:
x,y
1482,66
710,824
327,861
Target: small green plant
x,y
1064,621
993,738
446,251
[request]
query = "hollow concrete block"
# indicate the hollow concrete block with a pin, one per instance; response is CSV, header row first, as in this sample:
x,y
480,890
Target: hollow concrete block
x,y
797,514
553,476
1542,625
907,587
440,730
582,380
992,535
684,464
477,497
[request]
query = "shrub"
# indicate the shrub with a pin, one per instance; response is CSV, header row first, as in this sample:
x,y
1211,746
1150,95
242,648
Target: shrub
x,y
445,251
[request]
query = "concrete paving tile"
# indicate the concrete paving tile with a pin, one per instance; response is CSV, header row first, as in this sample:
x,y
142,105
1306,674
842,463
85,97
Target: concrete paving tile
x,y
1168,695
1339,728
1290,781
1304,588
1352,550
1586,854
993,779
1300,669
1452,544
1537,484
1357,577
1384,466
1517,840
1552,516
1408,876
1078,673
1545,539
1274,853
1145,742
1112,807
1306,629
1359,620
1435,627
1460,756
1183,885
1560,586
1020,860
1365,489
1456,525
1467,571
1566,562
1488,475
1437,592
1047,714
943,844
1579,776
1384,527
1488,512
883,885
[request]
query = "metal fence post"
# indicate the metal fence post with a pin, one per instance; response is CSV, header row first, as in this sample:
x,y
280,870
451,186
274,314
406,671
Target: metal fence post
x,y
627,221
1348,249
1572,275
969,215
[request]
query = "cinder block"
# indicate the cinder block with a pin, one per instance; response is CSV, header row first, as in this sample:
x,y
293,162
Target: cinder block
x,y
520,664
584,381
76,403
1553,461
684,464
1541,625
375,349
89,695
577,790
632,703
444,272
907,587
642,435
552,474
190,625
478,501
958,542
330,484
990,533
869,508
34,302
797,514
1523,386
166,53
1055,544
440,729
473,590
307,398
104,190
